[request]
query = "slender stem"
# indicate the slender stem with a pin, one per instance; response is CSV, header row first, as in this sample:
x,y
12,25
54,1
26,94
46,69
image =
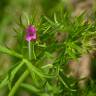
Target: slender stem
x,y
32,69
36,70
18,83
34,52
29,49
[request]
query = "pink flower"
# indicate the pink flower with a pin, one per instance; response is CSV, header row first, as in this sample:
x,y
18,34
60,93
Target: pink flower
x,y
31,33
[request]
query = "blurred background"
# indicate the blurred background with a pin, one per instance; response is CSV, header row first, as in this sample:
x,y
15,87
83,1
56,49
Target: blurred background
x,y
11,10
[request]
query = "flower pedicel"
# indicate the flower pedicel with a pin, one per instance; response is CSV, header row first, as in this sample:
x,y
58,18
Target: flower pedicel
x,y
30,36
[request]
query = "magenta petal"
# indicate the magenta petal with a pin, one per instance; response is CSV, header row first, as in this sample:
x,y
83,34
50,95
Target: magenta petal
x,y
31,37
31,29
28,38
31,33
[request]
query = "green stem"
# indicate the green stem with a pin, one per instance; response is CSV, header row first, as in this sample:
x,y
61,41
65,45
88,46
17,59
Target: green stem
x,y
18,83
29,49
34,52
32,68
36,70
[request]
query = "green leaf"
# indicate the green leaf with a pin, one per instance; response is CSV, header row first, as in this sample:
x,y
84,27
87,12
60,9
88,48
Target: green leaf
x,y
37,71
30,87
8,79
4,82
18,83
13,73
10,52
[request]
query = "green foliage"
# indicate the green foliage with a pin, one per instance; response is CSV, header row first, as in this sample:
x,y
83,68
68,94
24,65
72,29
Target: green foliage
x,y
38,76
